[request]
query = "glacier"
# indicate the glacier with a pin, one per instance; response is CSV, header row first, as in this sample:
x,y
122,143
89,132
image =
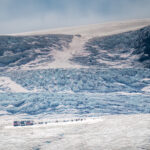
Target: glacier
x,y
81,91
98,72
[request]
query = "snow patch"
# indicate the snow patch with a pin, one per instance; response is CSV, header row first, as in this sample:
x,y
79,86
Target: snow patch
x,y
146,89
146,79
7,85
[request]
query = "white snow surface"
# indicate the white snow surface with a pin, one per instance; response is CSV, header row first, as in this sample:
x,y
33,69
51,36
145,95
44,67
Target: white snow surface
x,y
123,132
93,30
7,85
146,89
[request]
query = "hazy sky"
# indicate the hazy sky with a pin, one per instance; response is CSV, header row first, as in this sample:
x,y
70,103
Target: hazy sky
x,y
28,15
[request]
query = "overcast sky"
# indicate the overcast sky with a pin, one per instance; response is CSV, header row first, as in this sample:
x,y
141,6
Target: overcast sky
x,y
28,15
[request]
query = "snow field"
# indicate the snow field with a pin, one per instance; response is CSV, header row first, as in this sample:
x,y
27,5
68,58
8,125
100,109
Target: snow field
x,y
130,132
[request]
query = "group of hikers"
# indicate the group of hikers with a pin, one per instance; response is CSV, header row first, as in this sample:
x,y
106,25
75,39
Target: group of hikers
x,y
31,122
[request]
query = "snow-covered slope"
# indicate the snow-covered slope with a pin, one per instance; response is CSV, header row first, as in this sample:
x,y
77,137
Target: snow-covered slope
x,y
95,29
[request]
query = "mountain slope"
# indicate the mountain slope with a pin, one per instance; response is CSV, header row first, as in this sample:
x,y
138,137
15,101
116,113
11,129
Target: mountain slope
x,y
124,50
96,69
124,44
